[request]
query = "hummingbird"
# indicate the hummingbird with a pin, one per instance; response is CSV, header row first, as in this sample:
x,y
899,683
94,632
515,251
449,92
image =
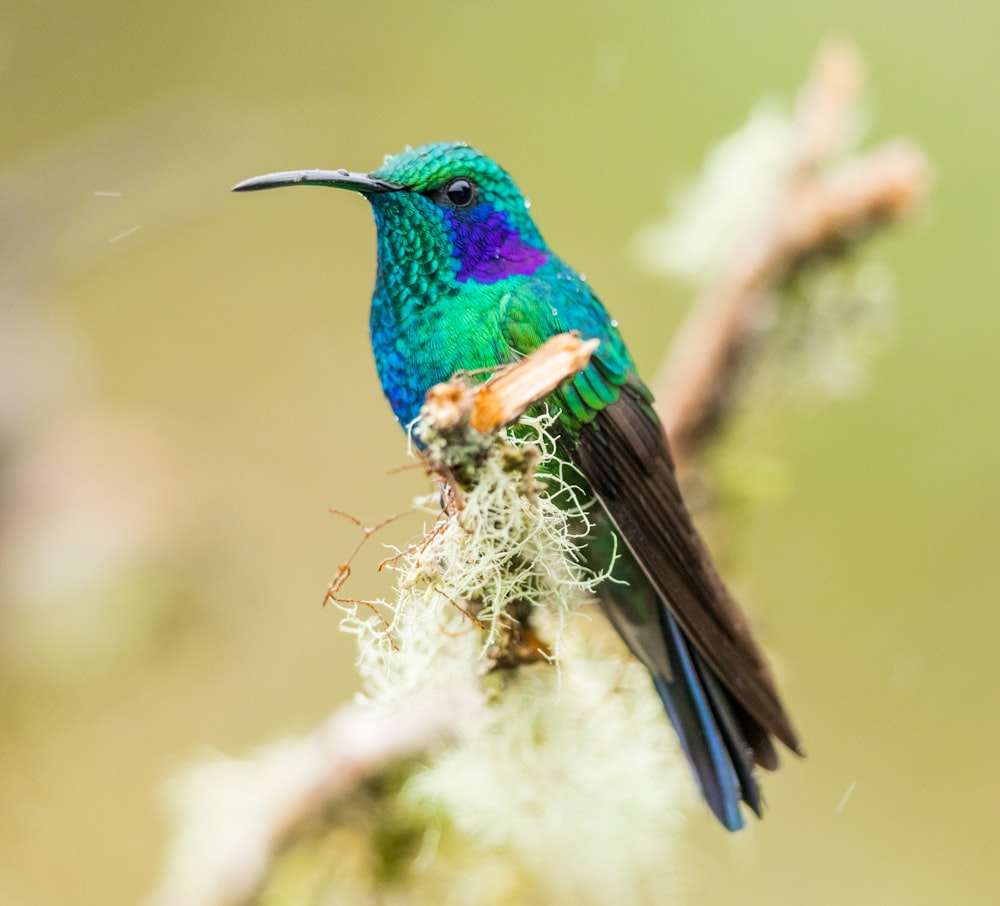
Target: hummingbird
x,y
466,283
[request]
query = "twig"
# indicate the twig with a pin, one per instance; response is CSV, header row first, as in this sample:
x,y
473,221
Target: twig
x,y
505,397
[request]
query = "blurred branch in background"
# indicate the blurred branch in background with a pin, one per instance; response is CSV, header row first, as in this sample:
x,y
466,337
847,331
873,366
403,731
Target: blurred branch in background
x,y
810,199
487,763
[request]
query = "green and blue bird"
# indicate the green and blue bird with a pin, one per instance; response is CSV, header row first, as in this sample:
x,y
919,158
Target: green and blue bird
x,y
466,282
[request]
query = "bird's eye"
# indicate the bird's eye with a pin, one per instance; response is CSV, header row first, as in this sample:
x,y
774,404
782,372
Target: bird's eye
x,y
460,192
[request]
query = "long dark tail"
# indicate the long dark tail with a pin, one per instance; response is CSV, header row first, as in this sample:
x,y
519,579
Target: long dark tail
x,y
708,724
721,741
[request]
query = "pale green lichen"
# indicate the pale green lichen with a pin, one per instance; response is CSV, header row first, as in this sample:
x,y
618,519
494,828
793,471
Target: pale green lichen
x,y
834,321
509,544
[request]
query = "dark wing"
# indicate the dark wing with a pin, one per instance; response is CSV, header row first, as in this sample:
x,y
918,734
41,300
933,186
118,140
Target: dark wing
x,y
623,453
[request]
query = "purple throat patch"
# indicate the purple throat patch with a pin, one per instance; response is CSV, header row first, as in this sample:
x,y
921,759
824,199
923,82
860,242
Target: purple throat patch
x,y
488,248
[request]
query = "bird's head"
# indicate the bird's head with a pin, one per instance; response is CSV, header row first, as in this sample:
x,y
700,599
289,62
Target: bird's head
x,y
444,206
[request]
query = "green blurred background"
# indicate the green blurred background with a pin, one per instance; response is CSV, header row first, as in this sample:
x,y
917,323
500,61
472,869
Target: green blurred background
x,y
186,387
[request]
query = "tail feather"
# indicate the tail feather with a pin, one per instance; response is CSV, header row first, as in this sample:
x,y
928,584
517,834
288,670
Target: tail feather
x,y
709,731
740,750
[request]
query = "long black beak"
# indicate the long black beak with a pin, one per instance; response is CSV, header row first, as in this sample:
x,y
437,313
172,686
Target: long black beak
x,y
335,179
